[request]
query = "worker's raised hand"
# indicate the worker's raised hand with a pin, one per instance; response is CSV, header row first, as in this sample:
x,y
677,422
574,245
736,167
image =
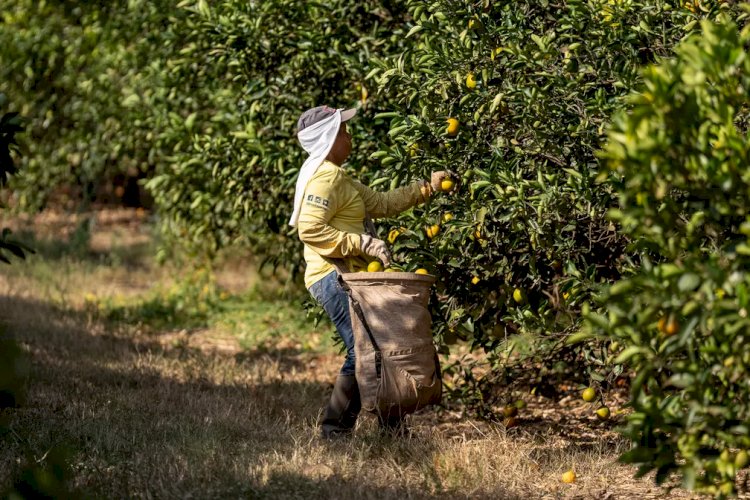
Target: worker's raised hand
x,y
376,248
442,180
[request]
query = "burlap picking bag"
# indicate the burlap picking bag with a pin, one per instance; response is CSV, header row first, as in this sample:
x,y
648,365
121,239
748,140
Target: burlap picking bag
x,y
398,370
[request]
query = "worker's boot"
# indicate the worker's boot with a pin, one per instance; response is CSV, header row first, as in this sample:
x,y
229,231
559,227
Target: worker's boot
x,y
341,412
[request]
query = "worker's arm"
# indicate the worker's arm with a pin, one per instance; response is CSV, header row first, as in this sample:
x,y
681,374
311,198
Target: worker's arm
x,y
319,205
392,202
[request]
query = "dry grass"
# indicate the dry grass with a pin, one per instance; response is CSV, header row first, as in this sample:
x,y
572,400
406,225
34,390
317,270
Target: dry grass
x,y
193,412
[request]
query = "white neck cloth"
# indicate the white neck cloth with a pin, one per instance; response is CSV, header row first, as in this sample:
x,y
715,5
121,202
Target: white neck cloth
x,y
317,140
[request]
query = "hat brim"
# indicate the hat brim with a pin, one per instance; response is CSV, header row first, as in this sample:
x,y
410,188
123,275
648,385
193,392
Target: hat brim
x,y
348,114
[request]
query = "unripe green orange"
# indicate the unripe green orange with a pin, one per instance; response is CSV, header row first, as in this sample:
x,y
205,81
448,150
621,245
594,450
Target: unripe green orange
x,y
510,411
741,460
588,394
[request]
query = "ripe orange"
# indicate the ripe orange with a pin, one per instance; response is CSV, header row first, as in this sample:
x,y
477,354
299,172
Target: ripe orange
x,y
471,81
447,217
375,267
569,477
672,326
668,325
603,413
446,185
421,271
452,128
518,296
662,324
433,230
475,280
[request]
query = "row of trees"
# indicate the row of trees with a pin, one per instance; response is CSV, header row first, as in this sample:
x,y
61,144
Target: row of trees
x,y
600,147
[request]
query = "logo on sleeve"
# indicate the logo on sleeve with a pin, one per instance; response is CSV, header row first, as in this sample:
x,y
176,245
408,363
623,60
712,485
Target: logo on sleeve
x,y
317,201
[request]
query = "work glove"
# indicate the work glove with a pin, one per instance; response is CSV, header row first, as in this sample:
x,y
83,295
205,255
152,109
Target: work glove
x,y
376,248
437,178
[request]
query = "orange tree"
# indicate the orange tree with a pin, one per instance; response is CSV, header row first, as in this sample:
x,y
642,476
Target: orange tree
x,y
251,69
679,160
515,96
86,77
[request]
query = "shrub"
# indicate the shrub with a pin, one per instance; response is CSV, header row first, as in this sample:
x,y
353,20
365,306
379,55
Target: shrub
x,y
79,73
680,160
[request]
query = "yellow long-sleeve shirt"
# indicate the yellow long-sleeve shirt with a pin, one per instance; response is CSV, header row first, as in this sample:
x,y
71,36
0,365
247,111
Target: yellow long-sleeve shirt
x,y
332,217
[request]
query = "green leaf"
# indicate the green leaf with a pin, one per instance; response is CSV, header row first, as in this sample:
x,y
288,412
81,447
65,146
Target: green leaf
x,y
629,352
688,282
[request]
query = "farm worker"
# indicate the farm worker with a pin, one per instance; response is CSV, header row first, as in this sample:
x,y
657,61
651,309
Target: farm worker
x,y
329,212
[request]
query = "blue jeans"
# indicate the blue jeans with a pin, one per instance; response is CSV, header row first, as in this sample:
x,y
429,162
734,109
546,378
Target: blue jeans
x,y
335,302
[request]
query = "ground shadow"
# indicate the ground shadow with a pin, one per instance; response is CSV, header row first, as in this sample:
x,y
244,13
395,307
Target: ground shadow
x,y
172,432
330,485
126,252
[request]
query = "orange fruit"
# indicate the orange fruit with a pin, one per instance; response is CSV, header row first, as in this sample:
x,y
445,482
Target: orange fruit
x,y
446,185
588,394
569,477
471,81
452,128
375,267
741,460
422,271
603,413
433,231
672,326
668,325
662,324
